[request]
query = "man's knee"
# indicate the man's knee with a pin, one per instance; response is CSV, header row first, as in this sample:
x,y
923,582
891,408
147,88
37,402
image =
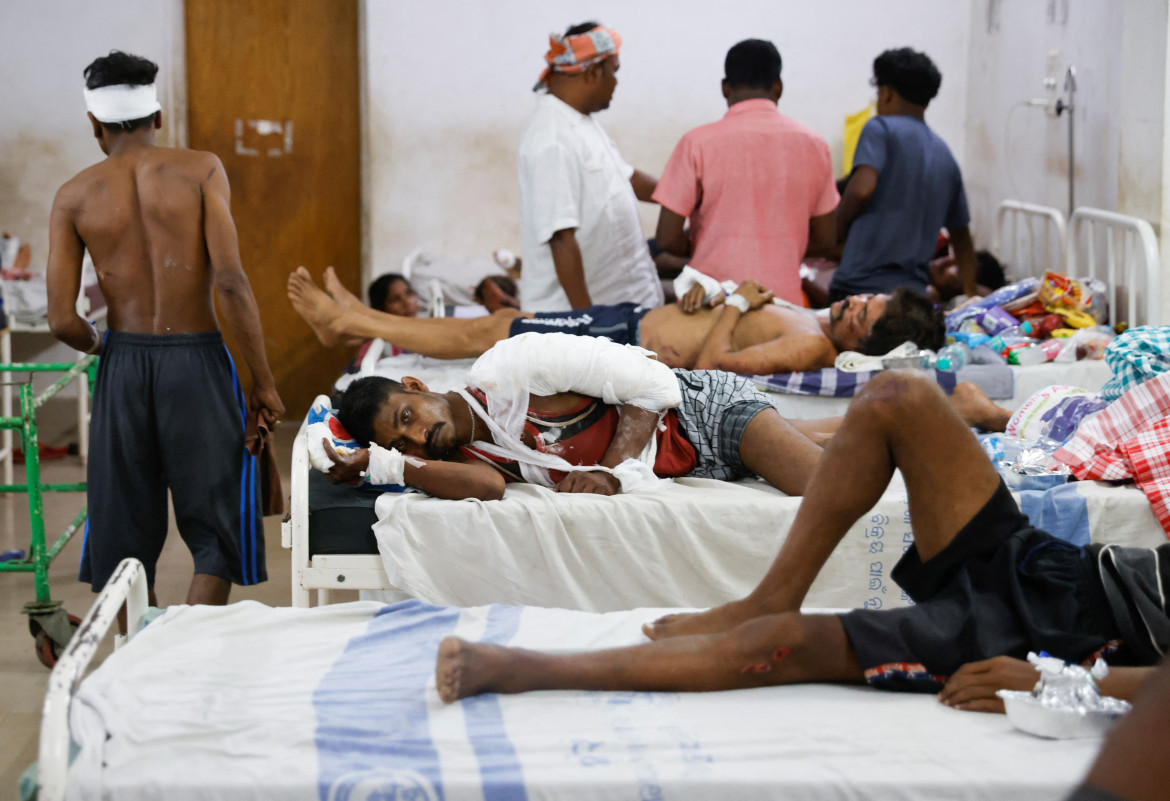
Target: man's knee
x,y
898,394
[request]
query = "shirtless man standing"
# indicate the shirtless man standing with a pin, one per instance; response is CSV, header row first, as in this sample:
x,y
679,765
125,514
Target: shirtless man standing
x,y
749,335
168,410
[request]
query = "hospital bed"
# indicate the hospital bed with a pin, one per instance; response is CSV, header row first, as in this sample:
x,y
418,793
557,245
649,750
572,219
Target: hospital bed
x,y
690,542
1121,251
339,702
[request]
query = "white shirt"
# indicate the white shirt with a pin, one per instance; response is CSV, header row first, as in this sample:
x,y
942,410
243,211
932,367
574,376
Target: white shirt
x,y
572,176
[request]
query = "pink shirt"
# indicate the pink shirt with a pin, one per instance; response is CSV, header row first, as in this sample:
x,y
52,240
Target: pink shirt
x,y
749,184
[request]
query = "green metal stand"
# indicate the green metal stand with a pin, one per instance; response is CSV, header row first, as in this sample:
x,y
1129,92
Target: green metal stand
x,y
48,621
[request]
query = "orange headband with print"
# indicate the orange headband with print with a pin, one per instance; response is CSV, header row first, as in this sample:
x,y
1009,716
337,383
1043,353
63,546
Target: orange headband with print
x,y
575,54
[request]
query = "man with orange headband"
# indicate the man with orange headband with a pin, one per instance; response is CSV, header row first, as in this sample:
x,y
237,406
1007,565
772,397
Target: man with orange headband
x,y
582,239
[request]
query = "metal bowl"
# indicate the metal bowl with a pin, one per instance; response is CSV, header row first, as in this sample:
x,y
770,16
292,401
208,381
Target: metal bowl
x,y
1027,713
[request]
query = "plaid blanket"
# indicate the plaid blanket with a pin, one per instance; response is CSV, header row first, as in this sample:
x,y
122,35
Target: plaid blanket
x,y
1136,356
831,382
1129,439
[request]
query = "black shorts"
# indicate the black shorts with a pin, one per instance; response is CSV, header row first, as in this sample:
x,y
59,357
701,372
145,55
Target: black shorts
x,y
1000,587
619,323
168,413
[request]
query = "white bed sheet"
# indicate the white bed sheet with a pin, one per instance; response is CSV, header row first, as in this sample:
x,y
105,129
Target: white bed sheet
x,y
1090,374
693,542
249,702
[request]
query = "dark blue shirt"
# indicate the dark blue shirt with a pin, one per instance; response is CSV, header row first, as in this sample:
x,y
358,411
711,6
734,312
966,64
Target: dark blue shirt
x,y
919,191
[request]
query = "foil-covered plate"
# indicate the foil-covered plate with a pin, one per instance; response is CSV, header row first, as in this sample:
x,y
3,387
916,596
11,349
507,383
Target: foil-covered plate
x,y
1030,714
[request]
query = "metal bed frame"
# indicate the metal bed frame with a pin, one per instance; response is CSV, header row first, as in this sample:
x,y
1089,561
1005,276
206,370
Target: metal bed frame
x,y
48,622
127,585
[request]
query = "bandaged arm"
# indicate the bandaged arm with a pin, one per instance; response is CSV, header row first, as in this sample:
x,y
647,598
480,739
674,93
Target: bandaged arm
x,y
440,479
549,364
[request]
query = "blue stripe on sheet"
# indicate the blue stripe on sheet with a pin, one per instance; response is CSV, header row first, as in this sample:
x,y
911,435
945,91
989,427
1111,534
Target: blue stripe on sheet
x,y
1061,511
499,765
373,731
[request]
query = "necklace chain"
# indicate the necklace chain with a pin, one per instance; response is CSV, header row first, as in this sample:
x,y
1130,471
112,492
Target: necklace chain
x,y
471,412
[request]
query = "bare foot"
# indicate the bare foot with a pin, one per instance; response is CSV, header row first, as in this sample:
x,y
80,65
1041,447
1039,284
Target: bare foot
x,y
339,293
712,621
464,669
977,409
321,312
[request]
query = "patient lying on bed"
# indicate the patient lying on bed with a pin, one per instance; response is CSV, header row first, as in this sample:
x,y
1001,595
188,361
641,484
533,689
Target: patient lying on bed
x,y
580,415
988,588
753,337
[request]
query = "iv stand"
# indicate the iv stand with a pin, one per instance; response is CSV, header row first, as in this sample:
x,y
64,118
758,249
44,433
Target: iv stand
x,y
1070,86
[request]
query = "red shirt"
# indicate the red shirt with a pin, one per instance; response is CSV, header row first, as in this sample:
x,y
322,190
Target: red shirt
x,y
750,183
581,436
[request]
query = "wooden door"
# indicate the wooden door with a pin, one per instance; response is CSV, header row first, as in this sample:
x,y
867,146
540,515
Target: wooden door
x,y
273,90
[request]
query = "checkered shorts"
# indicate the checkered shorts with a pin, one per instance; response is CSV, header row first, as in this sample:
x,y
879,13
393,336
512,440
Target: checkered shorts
x,y
716,408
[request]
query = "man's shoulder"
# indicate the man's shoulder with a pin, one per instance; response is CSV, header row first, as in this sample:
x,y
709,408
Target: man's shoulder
x,y
73,191
795,127
184,158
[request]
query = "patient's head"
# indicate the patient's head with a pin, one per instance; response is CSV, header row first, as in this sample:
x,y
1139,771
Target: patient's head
x,y
393,294
752,70
876,324
123,70
909,74
402,415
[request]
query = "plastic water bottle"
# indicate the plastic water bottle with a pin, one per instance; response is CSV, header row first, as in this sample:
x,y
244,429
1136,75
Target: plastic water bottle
x,y
1003,341
1025,355
952,357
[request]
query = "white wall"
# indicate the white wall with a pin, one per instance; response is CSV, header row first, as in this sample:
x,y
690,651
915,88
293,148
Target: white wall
x,y
449,89
1015,151
45,138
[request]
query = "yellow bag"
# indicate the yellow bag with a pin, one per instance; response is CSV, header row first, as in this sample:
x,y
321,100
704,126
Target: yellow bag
x,y
853,125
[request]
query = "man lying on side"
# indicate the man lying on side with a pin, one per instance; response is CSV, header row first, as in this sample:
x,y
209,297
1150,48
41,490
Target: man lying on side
x,y
987,587
577,414
748,334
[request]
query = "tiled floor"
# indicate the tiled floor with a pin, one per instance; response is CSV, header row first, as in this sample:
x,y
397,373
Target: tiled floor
x,y
22,678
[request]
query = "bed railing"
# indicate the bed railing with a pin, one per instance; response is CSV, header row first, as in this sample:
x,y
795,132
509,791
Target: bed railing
x,y
1122,251
127,585
1029,239
323,573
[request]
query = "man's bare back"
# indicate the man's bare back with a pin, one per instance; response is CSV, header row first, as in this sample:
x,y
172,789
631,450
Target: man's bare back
x,y
141,215
158,225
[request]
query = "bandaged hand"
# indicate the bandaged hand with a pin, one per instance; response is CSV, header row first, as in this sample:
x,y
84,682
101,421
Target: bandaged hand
x,y
755,294
348,465
595,482
972,687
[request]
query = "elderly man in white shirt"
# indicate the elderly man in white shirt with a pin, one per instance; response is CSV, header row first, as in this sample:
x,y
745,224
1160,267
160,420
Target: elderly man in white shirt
x,y
582,239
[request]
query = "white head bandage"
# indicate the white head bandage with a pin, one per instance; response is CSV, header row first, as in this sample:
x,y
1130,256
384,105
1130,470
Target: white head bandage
x,y
122,102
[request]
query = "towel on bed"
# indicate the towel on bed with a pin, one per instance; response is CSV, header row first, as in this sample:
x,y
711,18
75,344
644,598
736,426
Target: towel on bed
x,y
1129,439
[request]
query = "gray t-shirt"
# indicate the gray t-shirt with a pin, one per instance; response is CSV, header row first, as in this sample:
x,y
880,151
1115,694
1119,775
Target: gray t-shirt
x,y
919,191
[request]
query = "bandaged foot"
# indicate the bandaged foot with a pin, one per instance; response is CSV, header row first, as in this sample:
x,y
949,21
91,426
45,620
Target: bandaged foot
x,y
321,312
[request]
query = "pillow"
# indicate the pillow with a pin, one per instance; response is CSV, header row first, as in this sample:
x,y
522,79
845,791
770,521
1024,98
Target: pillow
x,y
322,423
